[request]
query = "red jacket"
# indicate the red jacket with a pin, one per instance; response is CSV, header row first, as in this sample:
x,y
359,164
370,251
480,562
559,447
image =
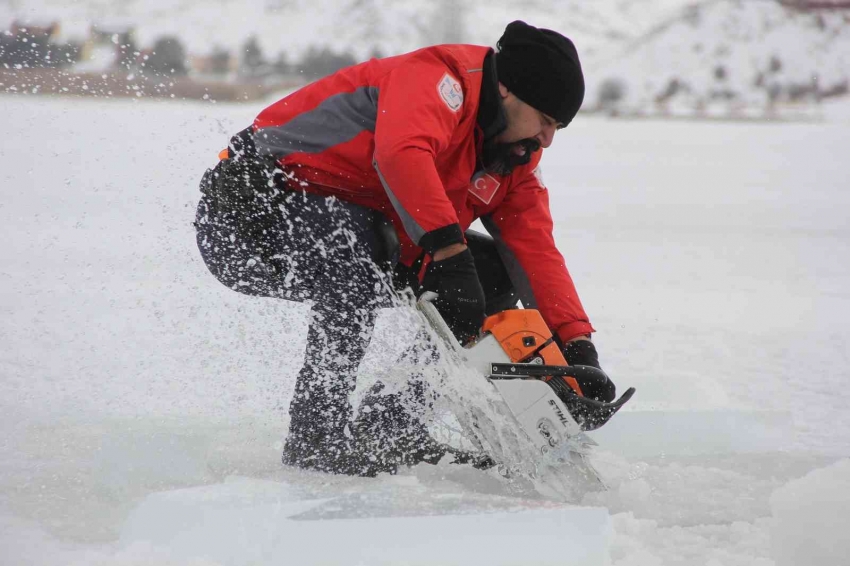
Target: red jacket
x,y
398,135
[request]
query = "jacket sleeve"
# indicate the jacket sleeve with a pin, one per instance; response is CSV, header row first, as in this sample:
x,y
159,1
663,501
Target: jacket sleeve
x,y
522,227
415,123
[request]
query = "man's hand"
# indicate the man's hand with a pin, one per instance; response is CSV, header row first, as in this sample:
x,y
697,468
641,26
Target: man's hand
x,y
580,351
460,298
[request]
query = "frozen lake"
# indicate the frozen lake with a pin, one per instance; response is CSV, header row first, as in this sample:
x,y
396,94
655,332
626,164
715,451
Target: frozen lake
x,y
713,259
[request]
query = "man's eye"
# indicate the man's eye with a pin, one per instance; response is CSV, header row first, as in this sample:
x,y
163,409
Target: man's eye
x,y
547,121
560,126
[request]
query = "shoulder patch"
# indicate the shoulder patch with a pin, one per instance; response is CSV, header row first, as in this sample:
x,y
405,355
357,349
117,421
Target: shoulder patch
x,y
450,92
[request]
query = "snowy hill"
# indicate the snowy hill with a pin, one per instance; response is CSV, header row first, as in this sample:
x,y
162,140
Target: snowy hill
x,y
645,55
732,52
361,26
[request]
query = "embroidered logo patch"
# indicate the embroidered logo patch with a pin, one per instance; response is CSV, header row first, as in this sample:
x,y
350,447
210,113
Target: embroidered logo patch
x,y
450,92
484,187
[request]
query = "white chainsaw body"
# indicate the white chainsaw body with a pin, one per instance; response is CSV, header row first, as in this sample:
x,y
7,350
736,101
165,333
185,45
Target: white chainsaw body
x,y
540,414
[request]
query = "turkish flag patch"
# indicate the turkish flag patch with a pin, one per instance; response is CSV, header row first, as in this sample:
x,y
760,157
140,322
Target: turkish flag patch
x,y
484,187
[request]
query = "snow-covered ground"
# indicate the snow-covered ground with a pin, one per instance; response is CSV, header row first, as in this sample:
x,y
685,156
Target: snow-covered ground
x,y
142,404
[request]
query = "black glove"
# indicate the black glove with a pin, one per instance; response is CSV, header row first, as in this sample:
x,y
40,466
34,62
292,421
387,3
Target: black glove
x,y
583,353
460,298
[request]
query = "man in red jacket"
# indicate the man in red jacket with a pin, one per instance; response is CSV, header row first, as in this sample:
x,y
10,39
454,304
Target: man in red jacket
x,y
366,182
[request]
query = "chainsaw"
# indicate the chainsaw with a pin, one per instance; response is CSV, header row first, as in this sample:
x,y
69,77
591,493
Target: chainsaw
x,y
518,356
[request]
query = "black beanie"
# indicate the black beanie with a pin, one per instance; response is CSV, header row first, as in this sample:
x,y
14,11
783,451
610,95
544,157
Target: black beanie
x,y
542,69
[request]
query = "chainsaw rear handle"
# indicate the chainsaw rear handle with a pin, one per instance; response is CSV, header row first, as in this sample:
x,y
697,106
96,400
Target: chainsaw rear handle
x,y
425,304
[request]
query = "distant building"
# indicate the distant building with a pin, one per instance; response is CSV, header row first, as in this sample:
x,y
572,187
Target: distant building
x,y
812,5
35,46
47,33
107,49
219,62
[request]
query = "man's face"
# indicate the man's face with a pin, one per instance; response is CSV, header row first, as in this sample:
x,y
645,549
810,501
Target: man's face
x,y
528,130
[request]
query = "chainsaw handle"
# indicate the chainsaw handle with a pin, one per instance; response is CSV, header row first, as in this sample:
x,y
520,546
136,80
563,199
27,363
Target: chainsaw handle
x,y
425,304
589,413
585,373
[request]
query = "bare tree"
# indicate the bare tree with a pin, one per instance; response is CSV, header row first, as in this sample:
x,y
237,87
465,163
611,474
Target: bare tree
x,y
168,57
253,60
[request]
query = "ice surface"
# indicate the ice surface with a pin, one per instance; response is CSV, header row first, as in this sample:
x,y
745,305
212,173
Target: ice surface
x,y
246,521
810,518
642,434
713,259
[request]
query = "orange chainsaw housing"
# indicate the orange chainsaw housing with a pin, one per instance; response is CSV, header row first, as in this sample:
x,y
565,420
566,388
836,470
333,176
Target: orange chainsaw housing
x,y
524,336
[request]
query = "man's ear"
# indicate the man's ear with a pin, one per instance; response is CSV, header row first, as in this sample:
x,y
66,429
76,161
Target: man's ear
x,y
503,90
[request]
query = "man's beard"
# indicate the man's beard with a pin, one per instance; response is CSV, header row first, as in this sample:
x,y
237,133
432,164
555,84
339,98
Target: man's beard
x,y
500,159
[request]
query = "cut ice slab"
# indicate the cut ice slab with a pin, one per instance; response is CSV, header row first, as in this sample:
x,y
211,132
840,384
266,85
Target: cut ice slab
x,y
248,521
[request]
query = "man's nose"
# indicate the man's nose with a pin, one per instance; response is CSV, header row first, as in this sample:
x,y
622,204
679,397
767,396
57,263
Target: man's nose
x,y
546,135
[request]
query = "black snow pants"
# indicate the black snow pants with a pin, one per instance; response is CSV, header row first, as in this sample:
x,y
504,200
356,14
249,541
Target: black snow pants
x,y
260,237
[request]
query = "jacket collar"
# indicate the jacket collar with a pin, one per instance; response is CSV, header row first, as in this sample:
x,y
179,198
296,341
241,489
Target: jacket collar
x,y
491,113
